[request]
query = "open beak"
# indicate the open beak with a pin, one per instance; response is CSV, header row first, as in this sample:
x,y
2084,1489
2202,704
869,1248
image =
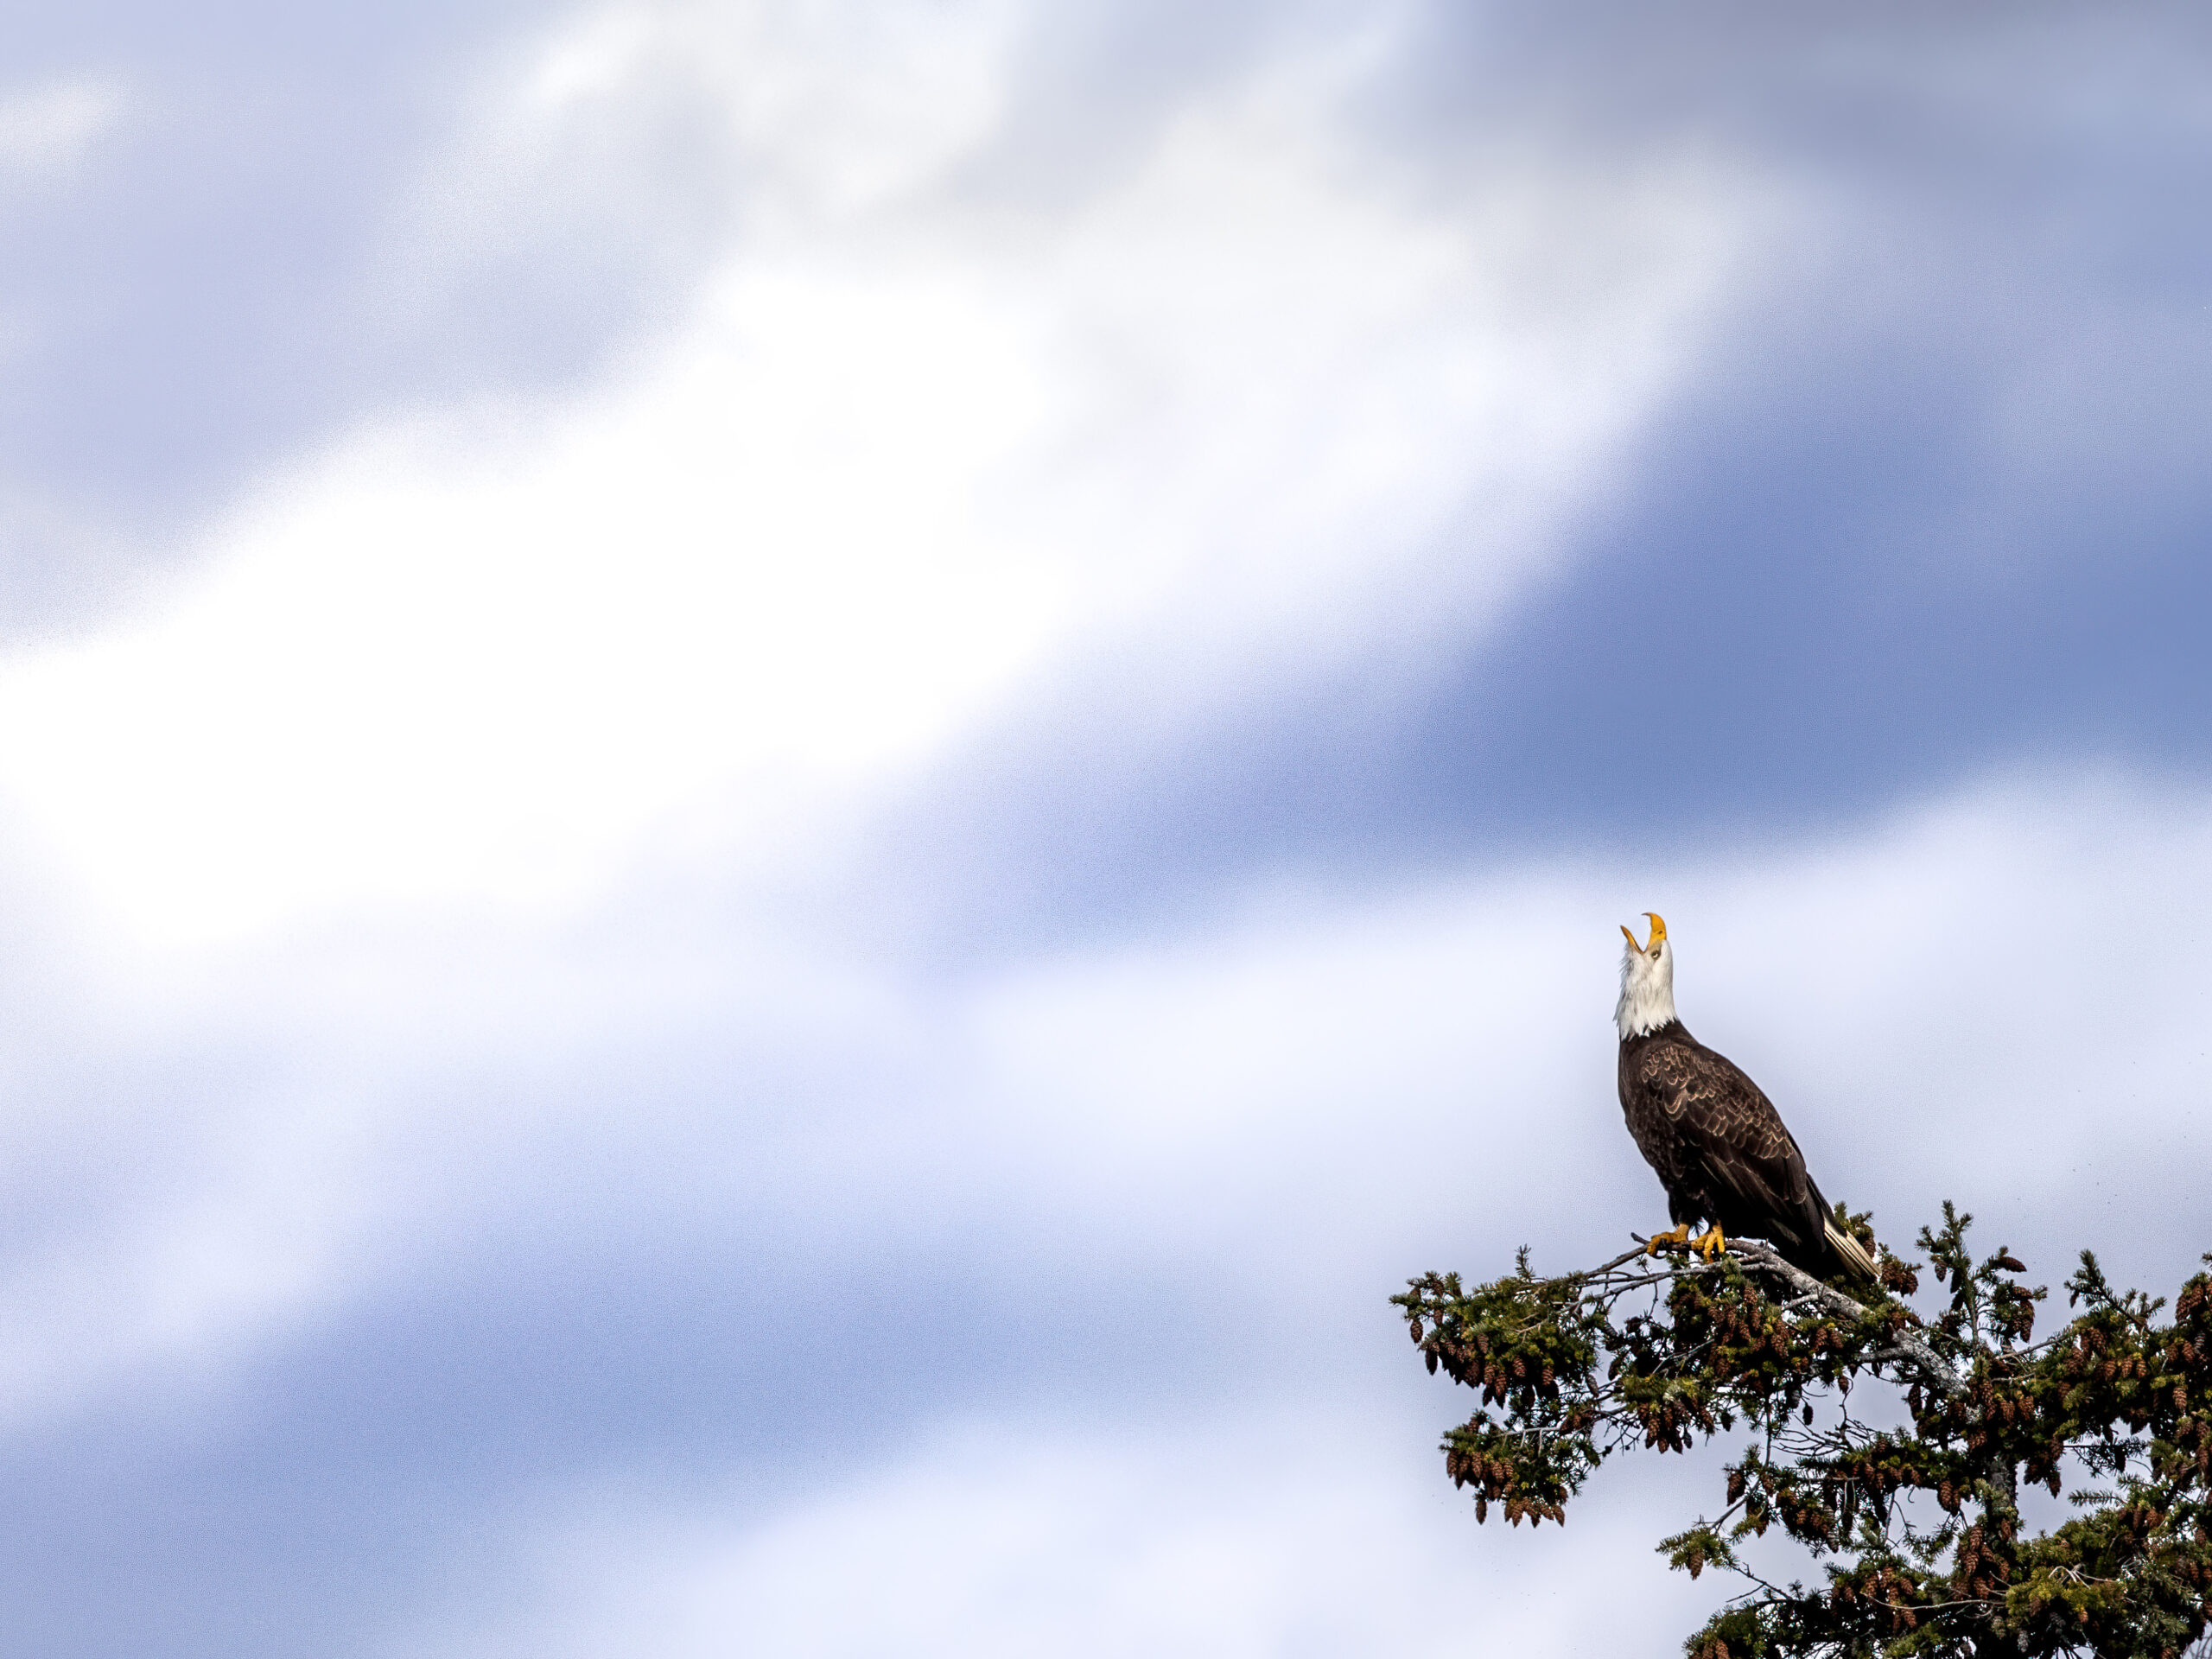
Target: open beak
x,y
1658,932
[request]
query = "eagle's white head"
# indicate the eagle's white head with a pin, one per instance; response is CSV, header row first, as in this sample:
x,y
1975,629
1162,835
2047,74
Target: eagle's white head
x,y
1647,982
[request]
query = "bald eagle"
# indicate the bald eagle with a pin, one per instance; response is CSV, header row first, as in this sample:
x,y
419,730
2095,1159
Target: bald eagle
x,y
1720,1148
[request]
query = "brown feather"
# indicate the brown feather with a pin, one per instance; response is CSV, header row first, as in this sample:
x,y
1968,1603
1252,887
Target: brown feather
x,y
1723,1152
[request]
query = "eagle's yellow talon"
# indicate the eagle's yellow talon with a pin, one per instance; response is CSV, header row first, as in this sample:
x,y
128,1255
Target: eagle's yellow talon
x,y
1673,1241
1710,1243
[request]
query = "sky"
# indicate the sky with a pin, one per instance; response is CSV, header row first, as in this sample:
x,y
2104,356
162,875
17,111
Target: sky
x,y
786,789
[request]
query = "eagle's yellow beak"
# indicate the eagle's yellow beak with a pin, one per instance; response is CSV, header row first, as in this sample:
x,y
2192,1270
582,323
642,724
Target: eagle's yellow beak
x,y
1658,932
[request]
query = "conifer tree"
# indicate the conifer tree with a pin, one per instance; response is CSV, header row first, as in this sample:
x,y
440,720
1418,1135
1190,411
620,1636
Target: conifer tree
x,y
1916,1527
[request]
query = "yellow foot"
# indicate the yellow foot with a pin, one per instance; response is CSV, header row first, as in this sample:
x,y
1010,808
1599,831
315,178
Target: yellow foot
x,y
1710,1243
1673,1241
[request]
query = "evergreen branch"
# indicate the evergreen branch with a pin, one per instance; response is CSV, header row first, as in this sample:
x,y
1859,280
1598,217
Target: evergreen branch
x,y
1573,1369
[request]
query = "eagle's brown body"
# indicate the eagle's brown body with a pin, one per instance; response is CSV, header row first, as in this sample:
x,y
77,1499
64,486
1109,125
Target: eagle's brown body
x,y
1722,1151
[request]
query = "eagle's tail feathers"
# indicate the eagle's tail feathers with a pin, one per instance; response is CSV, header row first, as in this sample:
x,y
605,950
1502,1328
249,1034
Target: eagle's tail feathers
x,y
1849,1251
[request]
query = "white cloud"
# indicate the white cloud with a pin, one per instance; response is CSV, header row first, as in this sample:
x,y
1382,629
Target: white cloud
x,y
416,676
830,111
1992,997
44,130
1246,1536
906,456
1332,1092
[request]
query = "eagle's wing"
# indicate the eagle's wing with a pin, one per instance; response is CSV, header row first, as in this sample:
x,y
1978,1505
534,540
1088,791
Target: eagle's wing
x,y
1736,1140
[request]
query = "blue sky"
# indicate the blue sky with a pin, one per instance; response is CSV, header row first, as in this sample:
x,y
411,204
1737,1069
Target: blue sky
x,y
785,790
